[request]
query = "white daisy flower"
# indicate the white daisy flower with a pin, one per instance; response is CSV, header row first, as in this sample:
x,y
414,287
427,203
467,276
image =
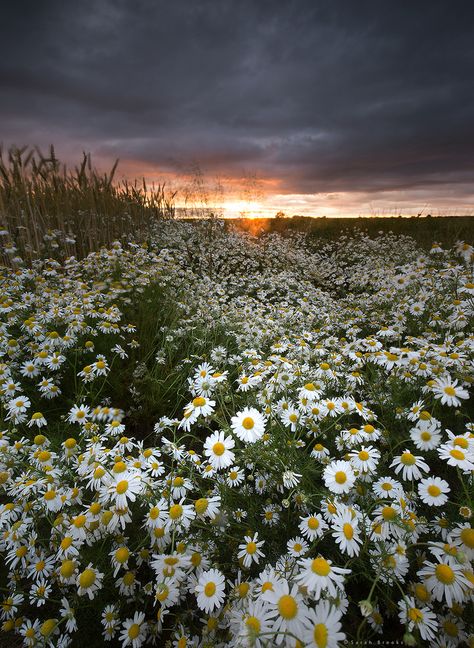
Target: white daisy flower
x,y
248,425
210,589
249,551
218,449
318,575
312,526
433,491
339,477
322,627
134,631
449,392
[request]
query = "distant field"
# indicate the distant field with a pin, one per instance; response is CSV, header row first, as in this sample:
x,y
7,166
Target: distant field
x,y
425,230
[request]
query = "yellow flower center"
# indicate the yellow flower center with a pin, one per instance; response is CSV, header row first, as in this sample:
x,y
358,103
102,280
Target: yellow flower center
x,y
433,490
199,401
408,459
348,531
201,505
87,578
389,513
450,391
251,547
122,487
210,589
340,477
320,635
467,537
122,554
313,523
248,423
421,592
67,568
218,448
48,627
253,623
415,615
457,454
363,455
79,521
287,607
450,628
320,566
445,574
176,511
134,631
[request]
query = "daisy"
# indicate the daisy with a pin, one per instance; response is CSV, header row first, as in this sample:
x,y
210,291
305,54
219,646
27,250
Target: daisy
x,y
249,551
297,547
339,477
387,487
346,533
37,419
312,526
180,515
409,465
426,435
89,581
454,456
201,406
289,609
422,619
167,592
445,581
449,392
365,460
318,575
322,627
319,451
248,425
235,476
290,418
209,590
310,391
256,625
433,491
207,506
125,487
270,515
463,535
79,414
290,479
134,631
217,448
267,580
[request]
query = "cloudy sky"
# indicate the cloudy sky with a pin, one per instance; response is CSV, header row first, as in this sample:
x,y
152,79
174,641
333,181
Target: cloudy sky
x,y
336,107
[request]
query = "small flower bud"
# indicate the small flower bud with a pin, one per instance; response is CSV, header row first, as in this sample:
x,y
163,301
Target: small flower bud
x,y
366,608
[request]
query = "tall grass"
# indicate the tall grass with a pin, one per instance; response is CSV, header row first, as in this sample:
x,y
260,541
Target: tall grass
x,y
46,208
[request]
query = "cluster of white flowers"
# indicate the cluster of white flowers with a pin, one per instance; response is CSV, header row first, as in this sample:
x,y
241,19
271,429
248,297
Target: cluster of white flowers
x,y
311,480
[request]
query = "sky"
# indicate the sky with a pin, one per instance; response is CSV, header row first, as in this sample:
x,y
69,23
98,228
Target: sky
x,y
309,107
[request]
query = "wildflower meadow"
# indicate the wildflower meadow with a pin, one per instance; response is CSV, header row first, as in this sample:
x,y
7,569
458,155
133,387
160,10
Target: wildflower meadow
x,y
210,438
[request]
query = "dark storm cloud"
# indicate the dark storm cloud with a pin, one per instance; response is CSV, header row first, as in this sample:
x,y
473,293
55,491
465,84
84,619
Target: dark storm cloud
x,y
324,96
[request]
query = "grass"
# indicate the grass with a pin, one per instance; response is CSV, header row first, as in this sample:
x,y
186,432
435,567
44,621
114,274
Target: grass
x,y
47,209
